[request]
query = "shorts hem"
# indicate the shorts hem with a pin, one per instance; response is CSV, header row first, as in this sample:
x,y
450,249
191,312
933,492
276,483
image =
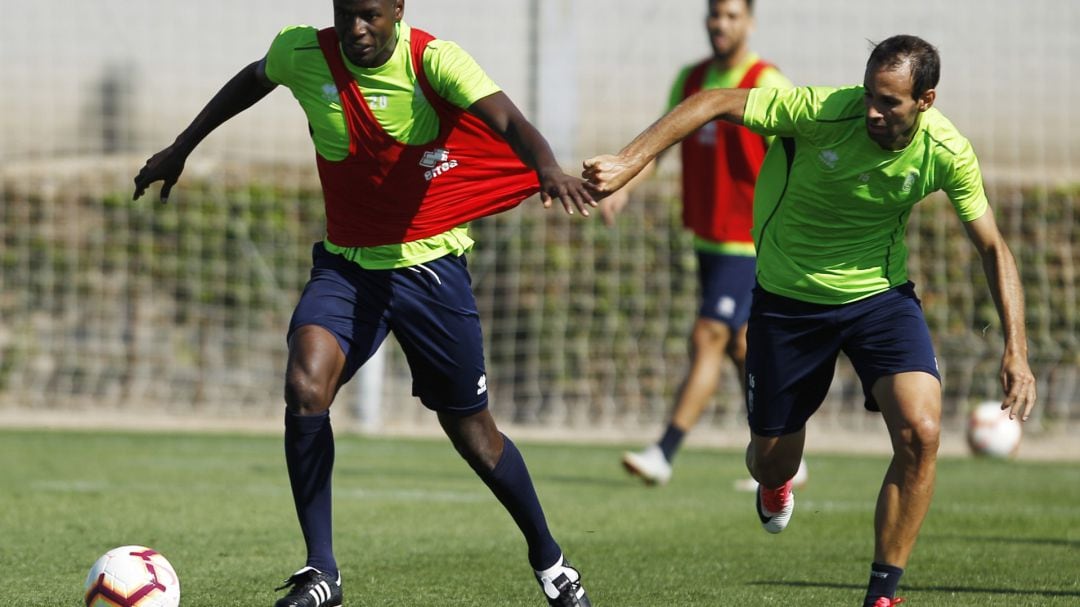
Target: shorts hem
x,y
775,432
457,411
871,405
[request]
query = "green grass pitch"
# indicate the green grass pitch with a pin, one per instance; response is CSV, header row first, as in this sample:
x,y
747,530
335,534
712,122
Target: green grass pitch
x,y
414,527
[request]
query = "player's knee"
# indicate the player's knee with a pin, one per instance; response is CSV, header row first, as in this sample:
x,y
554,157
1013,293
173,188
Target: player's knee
x,y
921,439
304,395
710,336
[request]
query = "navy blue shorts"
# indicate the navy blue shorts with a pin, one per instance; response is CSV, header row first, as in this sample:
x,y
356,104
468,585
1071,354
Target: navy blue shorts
x,y
727,284
792,348
431,310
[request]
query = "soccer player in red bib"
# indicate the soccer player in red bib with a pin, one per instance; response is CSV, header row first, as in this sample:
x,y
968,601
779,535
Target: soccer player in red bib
x,y
412,141
720,164
830,211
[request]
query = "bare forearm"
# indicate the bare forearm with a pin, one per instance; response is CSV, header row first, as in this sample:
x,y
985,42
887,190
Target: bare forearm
x,y
1003,278
245,89
694,112
530,146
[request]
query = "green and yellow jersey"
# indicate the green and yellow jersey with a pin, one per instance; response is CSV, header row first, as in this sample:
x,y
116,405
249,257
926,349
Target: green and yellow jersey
x,y
831,206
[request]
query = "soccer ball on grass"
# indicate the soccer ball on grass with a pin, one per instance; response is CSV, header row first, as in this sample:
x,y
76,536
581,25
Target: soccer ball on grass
x,y
132,576
991,433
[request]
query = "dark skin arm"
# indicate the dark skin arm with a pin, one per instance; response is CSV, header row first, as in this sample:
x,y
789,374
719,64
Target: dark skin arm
x,y
500,113
244,90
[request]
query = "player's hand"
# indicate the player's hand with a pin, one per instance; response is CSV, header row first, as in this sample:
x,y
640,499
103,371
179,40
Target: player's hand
x,y
1019,385
165,166
612,205
607,173
571,191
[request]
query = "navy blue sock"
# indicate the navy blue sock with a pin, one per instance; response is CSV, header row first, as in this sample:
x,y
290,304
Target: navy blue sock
x,y
511,484
669,443
309,454
883,581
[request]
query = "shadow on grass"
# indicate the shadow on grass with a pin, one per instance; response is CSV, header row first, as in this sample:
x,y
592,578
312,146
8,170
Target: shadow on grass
x,y
1001,539
916,587
399,471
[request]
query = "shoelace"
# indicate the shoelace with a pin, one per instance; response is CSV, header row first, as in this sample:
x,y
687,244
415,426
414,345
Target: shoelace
x,y
294,581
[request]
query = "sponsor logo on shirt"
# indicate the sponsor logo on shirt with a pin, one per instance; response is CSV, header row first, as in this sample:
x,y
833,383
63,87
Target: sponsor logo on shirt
x,y
481,385
330,92
437,162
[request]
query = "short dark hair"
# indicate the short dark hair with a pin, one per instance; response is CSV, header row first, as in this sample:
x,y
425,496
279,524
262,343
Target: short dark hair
x,y
749,4
918,53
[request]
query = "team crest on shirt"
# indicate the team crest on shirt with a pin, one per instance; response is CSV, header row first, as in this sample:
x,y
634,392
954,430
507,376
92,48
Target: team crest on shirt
x,y
437,162
909,181
829,158
330,92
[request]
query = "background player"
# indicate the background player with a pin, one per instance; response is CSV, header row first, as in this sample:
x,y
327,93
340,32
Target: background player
x,y
720,163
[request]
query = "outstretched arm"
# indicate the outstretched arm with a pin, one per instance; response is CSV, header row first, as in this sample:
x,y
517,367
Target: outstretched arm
x,y
1004,281
244,90
608,173
613,204
500,113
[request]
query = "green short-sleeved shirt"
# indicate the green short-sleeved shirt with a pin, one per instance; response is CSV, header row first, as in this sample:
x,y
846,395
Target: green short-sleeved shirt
x,y
296,61
716,78
830,228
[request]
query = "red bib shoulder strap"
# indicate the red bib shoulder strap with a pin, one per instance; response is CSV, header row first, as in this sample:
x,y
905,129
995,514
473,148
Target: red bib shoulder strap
x,y
351,103
749,80
696,78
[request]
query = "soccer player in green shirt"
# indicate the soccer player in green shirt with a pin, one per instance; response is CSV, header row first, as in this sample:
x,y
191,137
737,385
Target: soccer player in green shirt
x,y
830,214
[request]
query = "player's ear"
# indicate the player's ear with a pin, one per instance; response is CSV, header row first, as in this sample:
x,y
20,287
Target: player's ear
x,y
399,9
926,100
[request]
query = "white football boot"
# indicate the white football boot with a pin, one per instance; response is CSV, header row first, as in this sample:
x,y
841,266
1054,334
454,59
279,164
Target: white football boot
x,y
650,465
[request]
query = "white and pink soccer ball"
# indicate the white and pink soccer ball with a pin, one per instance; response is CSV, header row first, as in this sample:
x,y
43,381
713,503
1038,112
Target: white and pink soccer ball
x,y
991,433
132,576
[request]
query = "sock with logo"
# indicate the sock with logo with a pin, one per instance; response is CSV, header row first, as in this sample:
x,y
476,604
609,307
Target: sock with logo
x,y
670,441
883,581
309,455
512,485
